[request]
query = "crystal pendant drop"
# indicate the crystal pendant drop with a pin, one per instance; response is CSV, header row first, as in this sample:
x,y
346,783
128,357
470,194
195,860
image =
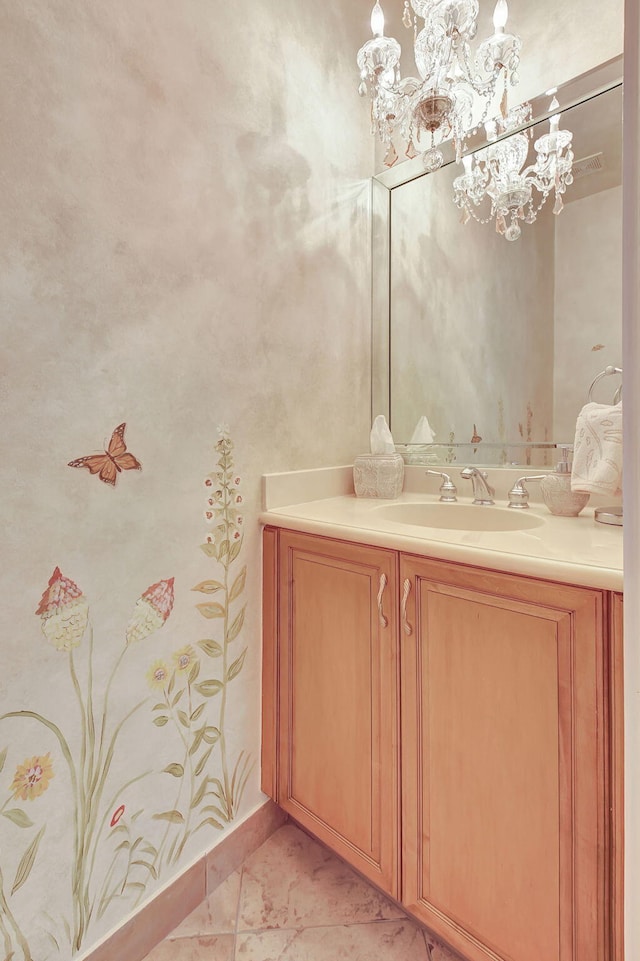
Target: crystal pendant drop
x,y
362,89
465,216
432,159
500,224
406,16
558,207
411,151
391,157
512,232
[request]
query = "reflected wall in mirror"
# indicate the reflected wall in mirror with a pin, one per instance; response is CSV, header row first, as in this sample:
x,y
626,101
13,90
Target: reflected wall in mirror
x,y
498,340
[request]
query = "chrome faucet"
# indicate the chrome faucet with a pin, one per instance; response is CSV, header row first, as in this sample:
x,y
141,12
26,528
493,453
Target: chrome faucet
x,y
482,491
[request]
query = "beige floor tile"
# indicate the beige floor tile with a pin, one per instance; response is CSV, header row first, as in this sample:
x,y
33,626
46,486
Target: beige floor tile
x,y
439,951
377,941
209,948
294,882
216,915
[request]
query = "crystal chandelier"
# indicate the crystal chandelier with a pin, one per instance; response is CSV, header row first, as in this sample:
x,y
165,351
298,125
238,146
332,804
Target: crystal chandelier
x,y
497,172
454,92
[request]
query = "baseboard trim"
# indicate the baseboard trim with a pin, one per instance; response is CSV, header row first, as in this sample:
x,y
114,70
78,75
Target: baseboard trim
x,y
157,919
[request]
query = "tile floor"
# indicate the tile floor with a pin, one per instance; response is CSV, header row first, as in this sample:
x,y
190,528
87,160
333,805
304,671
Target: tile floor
x,y
293,900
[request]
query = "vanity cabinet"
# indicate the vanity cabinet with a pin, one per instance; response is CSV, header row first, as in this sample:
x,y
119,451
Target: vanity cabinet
x,y
337,676
504,812
505,830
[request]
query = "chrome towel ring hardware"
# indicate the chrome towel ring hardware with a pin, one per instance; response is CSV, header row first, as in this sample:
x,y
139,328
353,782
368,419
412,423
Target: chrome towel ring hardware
x,y
607,372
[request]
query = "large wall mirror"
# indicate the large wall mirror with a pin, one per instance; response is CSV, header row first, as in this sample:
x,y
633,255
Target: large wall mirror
x,y
498,342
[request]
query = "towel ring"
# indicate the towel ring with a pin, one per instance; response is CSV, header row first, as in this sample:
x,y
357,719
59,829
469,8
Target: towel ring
x,y
607,372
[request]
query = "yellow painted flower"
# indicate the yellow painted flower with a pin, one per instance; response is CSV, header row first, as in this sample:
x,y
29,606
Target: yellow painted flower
x,y
64,612
32,778
158,676
184,658
151,611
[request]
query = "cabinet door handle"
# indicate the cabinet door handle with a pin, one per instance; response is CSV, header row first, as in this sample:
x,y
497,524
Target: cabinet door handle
x,y
405,597
384,621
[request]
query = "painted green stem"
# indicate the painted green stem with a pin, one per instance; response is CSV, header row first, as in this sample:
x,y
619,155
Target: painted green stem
x,y
64,747
6,910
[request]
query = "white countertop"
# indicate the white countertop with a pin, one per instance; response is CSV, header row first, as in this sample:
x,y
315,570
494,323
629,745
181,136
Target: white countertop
x,y
573,550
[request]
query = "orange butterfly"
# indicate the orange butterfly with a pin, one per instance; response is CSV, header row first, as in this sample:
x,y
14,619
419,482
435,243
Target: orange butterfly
x,y
114,460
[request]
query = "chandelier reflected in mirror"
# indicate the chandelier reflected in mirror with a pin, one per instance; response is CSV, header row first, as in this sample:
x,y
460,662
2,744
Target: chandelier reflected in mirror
x,y
455,90
495,178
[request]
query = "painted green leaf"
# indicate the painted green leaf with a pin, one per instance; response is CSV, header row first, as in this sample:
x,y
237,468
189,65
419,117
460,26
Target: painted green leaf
x,y
182,717
160,721
194,672
136,885
150,868
199,795
211,735
173,816
202,763
209,688
208,587
27,861
215,810
211,610
239,584
212,822
159,707
211,648
18,817
197,741
197,713
3,757
177,698
224,549
237,666
236,627
209,550
171,685
124,846
176,770
236,547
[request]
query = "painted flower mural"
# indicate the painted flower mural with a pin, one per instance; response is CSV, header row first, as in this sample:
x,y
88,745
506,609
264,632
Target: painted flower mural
x,y
118,844
32,778
191,696
64,612
64,618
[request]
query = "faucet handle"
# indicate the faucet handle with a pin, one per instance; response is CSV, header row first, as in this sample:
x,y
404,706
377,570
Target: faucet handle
x,y
448,490
519,495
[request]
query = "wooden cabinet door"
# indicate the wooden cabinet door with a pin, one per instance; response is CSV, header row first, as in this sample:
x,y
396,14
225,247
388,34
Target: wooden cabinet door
x,y
616,687
338,715
503,763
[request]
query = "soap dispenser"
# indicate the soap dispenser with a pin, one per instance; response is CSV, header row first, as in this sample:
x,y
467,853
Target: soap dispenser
x,y
556,488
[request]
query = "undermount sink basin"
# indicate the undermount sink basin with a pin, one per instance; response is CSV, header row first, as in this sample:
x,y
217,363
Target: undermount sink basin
x,y
460,517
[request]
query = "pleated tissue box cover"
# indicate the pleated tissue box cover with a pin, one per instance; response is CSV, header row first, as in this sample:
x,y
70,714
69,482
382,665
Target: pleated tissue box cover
x,y
378,475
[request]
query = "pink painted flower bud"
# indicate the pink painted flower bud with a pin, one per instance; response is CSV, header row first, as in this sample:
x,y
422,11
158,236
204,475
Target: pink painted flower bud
x,y
151,611
64,612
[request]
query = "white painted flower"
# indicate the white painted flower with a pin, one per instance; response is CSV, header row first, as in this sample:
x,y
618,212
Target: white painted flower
x,y
64,612
151,611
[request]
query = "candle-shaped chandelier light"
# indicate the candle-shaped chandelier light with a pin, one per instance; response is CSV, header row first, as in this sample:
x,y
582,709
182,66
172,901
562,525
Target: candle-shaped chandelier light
x,y
454,91
496,178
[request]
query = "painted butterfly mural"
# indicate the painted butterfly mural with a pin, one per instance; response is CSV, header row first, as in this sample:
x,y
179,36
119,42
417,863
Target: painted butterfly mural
x,y
112,462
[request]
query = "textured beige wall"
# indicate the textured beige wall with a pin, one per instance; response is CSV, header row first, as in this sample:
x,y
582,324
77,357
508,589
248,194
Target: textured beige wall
x,y
184,230
588,304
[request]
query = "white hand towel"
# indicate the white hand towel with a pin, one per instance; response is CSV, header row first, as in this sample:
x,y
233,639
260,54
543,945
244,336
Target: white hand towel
x,y
597,456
